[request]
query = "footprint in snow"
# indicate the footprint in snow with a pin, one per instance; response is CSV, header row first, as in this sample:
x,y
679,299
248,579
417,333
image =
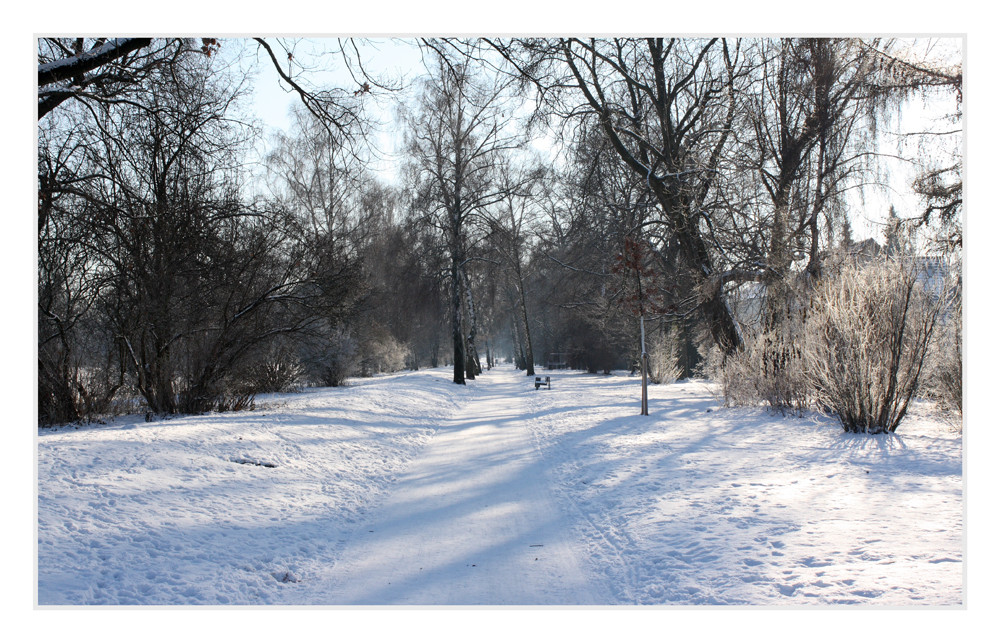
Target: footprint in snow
x,y
254,462
285,577
788,590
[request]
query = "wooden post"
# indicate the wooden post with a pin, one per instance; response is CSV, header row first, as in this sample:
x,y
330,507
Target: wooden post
x,y
644,358
645,400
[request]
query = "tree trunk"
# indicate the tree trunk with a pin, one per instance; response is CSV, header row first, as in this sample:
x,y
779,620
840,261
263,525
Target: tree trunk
x,y
516,347
458,342
529,356
472,364
695,254
725,330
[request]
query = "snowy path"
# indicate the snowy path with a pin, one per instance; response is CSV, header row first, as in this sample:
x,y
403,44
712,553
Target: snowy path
x,y
471,521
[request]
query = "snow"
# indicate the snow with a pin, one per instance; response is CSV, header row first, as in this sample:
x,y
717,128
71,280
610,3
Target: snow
x,y
409,490
708,505
106,48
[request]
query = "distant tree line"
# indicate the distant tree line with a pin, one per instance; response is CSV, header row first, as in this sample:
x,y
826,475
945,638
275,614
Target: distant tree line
x,y
701,183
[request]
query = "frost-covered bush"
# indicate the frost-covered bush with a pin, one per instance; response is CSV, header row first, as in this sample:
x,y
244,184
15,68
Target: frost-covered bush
x,y
383,354
770,369
664,352
710,360
943,381
330,358
735,377
869,328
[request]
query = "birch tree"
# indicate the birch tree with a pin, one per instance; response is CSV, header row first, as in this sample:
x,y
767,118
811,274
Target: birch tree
x,y
458,131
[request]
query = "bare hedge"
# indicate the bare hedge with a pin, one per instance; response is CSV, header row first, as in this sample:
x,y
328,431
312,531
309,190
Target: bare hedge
x,y
868,333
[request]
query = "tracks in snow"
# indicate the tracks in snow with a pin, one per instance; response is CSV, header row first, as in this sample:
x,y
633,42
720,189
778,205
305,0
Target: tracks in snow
x,y
471,520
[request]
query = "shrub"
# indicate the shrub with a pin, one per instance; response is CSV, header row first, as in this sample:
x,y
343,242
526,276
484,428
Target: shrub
x,y
770,369
664,353
236,401
331,358
710,360
869,328
383,354
77,394
277,371
944,369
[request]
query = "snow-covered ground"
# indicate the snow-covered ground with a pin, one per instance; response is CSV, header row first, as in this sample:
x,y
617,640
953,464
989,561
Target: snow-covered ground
x,y
407,489
698,504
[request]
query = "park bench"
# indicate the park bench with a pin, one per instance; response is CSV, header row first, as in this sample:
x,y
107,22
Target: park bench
x,y
547,383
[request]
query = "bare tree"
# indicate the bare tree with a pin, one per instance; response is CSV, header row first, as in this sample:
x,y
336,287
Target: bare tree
x,y
457,132
101,70
508,230
808,102
667,108
745,146
594,205
115,71
931,69
340,111
192,275
79,370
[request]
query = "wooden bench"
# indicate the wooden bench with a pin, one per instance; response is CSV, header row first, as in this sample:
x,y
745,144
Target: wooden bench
x,y
539,382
